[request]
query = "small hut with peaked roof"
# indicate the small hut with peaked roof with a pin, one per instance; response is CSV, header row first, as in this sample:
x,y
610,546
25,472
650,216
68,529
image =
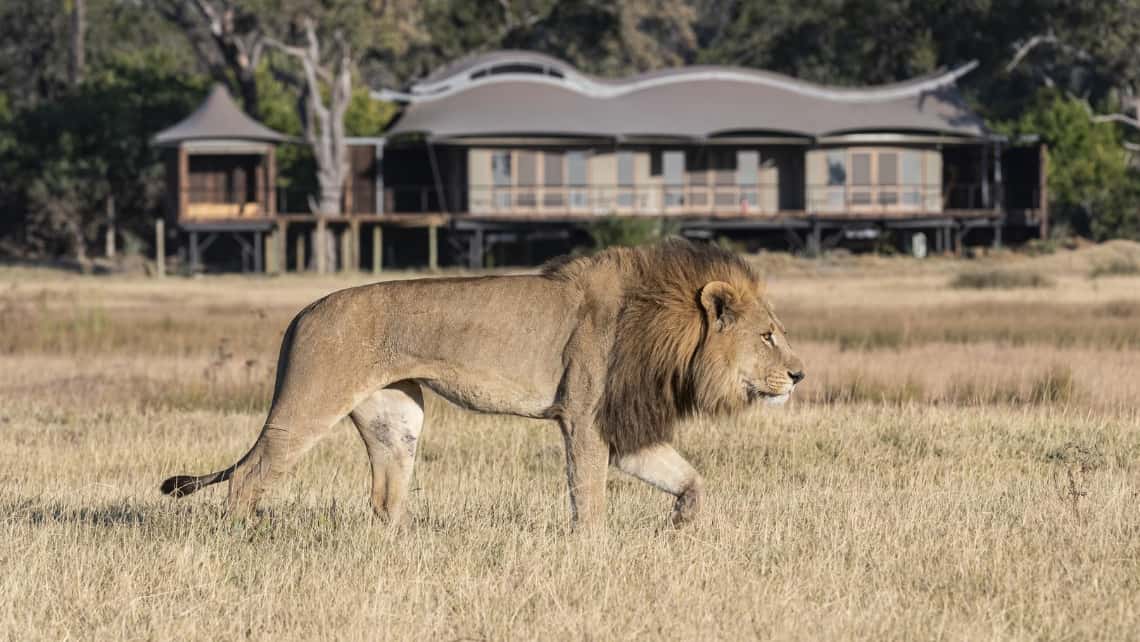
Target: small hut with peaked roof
x,y
220,176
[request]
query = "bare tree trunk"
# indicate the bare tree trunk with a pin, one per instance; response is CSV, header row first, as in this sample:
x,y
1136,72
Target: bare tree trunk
x,y
78,60
324,127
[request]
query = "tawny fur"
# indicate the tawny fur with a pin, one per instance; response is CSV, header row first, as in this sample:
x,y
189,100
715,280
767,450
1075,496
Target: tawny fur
x,y
616,348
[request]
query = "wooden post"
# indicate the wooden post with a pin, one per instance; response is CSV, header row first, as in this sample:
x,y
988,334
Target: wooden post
x,y
300,250
281,246
183,183
354,241
159,247
258,257
195,255
997,232
1043,189
271,250
815,239
377,249
346,249
110,240
433,247
320,244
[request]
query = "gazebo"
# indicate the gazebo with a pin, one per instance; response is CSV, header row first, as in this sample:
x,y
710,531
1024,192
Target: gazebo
x,y
220,177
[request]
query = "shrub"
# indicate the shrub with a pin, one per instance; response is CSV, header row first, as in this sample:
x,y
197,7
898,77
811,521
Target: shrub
x,y
998,279
1115,266
629,232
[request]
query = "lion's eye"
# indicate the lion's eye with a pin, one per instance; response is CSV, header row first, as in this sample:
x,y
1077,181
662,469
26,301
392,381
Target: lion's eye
x,y
767,336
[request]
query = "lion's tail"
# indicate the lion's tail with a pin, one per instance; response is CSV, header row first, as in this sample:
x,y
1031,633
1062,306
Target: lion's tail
x,y
183,485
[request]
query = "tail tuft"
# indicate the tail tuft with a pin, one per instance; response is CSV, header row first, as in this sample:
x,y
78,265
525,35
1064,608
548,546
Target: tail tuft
x,y
180,485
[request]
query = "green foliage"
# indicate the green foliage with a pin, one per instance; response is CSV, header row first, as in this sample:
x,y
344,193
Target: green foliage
x,y
73,152
1090,183
622,231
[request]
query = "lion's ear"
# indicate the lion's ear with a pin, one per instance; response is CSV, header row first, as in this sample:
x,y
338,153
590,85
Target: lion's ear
x,y
719,301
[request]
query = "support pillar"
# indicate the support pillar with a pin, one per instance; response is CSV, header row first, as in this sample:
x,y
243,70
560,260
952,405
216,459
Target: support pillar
x,y
159,247
475,250
299,248
281,247
815,239
346,249
195,254
320,245
959,239
258,254
354,236
377,249
433,247
997,234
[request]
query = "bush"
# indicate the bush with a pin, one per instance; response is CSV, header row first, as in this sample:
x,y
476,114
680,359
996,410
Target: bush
x,y
1115,266
629,232
998,279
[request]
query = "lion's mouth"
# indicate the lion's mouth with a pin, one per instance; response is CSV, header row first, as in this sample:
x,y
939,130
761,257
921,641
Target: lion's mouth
x,y
756,393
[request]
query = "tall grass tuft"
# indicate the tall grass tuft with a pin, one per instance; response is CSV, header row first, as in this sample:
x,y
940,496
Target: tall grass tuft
x,y
1000,279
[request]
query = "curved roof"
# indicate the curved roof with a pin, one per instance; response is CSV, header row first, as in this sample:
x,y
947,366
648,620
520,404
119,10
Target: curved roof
x,y
526,94
218,118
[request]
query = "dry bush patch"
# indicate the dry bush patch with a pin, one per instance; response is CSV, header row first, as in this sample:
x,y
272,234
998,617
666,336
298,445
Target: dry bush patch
x,y
956,484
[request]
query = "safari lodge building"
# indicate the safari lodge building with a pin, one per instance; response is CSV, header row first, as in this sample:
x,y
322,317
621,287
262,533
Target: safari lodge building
x,y
502,150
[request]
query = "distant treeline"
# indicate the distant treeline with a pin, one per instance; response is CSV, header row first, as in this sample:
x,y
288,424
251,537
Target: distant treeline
x,y
86,83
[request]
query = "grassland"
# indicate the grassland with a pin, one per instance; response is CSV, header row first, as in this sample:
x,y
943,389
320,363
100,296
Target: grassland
x,y
961,463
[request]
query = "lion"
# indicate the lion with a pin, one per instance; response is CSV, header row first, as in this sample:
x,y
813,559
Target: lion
x,y
616,348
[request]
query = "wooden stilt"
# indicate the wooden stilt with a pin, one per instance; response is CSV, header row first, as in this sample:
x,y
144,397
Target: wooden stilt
x,y
258,255
377,249
346,249
354,240
433,247
195,255
320,245
299,248
159,247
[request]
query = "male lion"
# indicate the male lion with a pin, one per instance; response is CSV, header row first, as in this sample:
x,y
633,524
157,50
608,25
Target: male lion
x,y
615,347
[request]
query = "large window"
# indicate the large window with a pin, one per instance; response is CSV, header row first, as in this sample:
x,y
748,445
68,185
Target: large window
x,y
577,178
673,168
873,179
625,180
501,178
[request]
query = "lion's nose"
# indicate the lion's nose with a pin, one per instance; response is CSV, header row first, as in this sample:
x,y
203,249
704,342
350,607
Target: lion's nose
x,y
796,376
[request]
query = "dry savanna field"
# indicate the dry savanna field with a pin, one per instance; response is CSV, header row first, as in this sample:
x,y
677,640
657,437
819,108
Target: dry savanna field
x,y
960,463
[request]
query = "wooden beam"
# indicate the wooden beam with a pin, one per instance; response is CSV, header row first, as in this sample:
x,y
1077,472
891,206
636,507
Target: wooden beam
x,y
159,247
271,250
377,249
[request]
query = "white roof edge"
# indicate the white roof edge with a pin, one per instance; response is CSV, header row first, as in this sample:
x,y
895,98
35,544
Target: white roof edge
x,y
587,86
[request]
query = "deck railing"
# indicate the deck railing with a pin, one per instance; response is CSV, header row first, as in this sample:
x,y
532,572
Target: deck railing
x,y
693,200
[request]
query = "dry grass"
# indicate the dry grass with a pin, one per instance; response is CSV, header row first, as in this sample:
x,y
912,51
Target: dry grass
x,y
974,477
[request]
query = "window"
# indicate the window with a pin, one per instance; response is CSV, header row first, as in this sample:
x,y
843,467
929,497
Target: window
x,y
673,167
576,178
912,179
501,178
861,178
888,178
528,179
835,192
625,180
748,177
553,180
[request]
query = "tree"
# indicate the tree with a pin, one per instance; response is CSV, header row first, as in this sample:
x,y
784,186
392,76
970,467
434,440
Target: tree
x,y
228,38
1090,184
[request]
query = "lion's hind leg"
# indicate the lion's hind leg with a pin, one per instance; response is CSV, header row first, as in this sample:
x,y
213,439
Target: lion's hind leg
x,y
662,467
390,422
